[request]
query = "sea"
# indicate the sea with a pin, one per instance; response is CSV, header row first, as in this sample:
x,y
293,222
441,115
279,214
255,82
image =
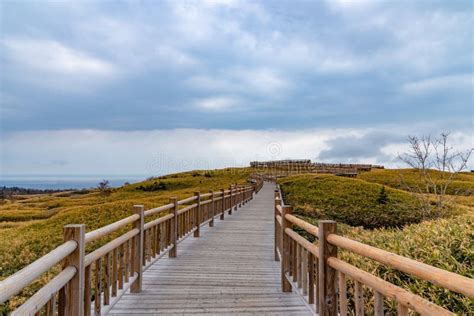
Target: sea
x,y
63,182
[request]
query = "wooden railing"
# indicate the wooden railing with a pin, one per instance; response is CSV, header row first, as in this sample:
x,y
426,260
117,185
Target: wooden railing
x,y
317,274
94,282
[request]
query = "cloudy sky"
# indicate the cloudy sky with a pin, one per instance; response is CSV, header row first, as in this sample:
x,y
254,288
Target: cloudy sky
x,y
148,87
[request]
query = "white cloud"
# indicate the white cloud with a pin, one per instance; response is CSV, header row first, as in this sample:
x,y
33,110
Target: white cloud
x,y
55,66
262,80
242,80
134,44
52,57
350,4
218,103
440,84
176,56
163,151
153,152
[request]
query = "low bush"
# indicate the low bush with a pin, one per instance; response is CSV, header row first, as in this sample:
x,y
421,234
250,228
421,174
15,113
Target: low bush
x,y
351,201
22,243
444,243
404,179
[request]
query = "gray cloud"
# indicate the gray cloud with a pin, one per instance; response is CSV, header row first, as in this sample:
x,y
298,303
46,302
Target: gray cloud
x,y
136,65
360,147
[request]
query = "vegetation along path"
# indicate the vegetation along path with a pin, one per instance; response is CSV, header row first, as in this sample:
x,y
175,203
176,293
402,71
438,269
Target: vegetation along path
x,y
229,269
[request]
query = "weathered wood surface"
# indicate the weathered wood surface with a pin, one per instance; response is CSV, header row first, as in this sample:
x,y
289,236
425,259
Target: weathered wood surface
x,y
230,269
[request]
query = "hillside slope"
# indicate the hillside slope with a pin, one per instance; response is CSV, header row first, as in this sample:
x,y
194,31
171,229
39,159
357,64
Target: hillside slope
x,y
24,241
446,243
348,200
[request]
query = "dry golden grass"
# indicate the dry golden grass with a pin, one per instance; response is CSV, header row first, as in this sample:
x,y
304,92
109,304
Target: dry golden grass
x,y
23,242
446,243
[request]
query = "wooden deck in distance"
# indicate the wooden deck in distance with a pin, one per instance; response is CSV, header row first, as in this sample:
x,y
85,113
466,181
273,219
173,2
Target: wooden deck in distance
x,y
228,270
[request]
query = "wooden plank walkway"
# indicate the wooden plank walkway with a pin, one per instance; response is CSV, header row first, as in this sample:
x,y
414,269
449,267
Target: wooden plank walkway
x,y
228,270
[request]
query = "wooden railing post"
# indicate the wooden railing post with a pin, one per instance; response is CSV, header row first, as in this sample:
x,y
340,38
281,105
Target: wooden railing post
x,y
235,202
285,266
276,232
197,215
213,209
231,200
223,204
138,255
174,228
75,290
326,274
237,197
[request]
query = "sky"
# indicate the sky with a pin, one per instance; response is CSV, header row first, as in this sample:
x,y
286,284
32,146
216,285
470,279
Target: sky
x,y
150,87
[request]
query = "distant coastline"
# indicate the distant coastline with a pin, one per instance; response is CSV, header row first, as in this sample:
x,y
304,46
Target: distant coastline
x,y
63,182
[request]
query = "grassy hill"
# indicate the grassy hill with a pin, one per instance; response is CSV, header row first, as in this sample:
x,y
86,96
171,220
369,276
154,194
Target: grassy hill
x,y
351,201
32,226
396,226
463,183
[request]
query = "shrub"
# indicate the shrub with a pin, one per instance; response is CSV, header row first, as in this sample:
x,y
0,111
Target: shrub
x,y
22,243
401,179
350,201
444,243
383,196
155,186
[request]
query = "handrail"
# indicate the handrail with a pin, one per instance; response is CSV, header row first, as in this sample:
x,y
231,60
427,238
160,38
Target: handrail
x,y
440,277
127,253
313,230
96,254
158,221
291,249
40,298
187,208
418,304
187,200
16,282
159,209
106,230
303,242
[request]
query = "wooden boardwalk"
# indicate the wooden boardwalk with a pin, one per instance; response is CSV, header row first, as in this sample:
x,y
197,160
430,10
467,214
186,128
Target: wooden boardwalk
x,y
228,270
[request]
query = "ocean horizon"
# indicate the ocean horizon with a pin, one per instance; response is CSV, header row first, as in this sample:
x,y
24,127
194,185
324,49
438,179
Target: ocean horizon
x,y
62,182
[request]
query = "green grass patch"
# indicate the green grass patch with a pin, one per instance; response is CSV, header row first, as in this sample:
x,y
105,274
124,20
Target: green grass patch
x,y
389,220
22,244
351,201
444,243
403,179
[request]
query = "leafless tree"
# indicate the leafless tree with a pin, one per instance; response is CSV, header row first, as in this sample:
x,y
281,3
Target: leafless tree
x,y
425,155
104,189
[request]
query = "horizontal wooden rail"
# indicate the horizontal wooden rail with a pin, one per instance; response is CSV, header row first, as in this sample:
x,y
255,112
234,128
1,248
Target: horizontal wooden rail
x,y
303,242
98,279
440,277
187,200
15,283
159,209
187,208
158,221
410,300
40,298
106,230
308,267
105,249
313,230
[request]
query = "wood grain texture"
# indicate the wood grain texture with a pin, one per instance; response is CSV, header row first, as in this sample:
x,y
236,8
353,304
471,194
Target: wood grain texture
x,y
230,269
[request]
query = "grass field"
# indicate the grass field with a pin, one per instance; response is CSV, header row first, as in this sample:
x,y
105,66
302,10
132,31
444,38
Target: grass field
x,y
37,227
31,226
463,183
351,201
447,243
